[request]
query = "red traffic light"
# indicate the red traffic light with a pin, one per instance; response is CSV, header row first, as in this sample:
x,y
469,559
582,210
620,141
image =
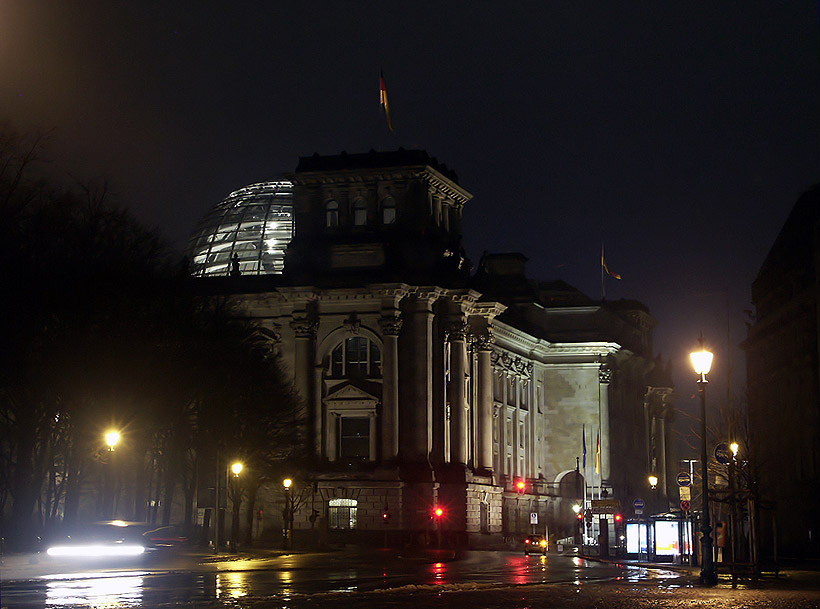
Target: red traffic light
x,y
438,512
527,540
618,518
386,516
520,485
580,516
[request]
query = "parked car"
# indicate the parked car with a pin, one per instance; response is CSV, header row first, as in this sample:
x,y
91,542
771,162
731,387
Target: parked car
x,y
535,544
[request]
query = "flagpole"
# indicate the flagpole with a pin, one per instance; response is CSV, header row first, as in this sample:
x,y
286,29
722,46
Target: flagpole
x,y
603,287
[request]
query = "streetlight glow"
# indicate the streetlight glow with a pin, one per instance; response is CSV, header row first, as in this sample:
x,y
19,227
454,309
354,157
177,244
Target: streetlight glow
x,y
653,481
112,438
735,447
236,468
287,482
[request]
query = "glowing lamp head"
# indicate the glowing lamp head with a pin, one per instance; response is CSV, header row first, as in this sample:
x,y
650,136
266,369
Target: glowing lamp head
x,y
576,508
112,438
734,446
653,481
236,468
702,361
286,483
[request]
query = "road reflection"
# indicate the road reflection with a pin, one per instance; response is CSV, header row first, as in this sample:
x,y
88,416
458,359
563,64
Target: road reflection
x,y
111,589
233,584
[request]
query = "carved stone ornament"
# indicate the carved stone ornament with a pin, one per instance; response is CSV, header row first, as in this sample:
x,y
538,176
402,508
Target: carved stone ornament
x,y
305,328
456,330
604,374
512,364
390,325
483,342
352,324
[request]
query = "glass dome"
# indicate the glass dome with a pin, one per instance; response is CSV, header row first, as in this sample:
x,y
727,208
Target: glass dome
x,y
255,223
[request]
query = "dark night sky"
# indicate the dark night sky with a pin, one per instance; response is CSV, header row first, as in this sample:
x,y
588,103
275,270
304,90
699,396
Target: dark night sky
x,y
679,133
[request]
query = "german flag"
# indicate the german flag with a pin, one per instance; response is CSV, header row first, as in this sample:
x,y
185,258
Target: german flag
x,y
605,267
383,100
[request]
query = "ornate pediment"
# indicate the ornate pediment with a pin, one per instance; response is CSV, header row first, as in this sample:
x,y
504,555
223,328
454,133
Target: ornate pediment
x,y
349,395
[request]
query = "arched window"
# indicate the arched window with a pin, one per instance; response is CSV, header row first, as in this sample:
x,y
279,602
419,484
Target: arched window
x,y
356,357
332,214
388,210
341,513
359,212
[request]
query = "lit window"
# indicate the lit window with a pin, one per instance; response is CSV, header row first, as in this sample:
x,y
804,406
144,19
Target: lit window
x,y
341,513
354,438
359,212
332,214
388,210
356,357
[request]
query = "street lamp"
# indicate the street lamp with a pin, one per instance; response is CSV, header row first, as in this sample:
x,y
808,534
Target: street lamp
x,y
653,481
286,483
112,437
235,469
702,363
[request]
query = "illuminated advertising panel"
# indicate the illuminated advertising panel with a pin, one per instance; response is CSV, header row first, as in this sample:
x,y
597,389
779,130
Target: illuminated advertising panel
x,y
636,542
666,537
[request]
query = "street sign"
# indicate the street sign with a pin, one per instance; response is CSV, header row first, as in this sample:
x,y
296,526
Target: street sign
x,y
533,517
685,506
684,479
685,493
723,453
605,506
639,504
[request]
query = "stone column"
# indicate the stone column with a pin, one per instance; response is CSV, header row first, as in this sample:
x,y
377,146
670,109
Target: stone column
x,y
303,375
416,440
604,376
455,392
484,345
391,326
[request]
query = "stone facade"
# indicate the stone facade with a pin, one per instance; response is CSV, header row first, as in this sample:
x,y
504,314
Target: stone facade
x,y
426,385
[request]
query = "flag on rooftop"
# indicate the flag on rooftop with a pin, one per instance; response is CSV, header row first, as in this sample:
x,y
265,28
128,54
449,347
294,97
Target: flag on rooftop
x,y
605,267
383,100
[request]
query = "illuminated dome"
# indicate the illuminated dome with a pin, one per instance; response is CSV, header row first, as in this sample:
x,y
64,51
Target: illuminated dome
x,y
255,223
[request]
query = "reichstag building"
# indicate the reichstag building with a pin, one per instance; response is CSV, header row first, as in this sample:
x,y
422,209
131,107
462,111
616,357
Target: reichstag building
x,y
429,382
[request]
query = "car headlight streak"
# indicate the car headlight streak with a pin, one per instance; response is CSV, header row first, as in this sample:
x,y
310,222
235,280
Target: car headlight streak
x,y
97,550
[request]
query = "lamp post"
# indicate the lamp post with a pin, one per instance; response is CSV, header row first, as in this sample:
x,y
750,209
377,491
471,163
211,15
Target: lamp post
x,y
235,469
286,483
112,438
702,363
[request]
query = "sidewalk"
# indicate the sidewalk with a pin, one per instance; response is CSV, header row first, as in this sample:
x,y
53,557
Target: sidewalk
x,y
798,574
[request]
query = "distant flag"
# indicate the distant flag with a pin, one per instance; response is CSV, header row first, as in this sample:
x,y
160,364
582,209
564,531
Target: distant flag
x,y
383,100
584,442
605,267
598,455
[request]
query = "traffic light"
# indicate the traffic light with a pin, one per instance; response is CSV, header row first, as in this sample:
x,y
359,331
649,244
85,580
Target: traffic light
x,y
618,519
438,513
385,516
520,485
580,516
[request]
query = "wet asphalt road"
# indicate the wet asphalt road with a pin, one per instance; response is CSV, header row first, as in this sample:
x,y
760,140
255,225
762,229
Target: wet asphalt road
x,y
382,579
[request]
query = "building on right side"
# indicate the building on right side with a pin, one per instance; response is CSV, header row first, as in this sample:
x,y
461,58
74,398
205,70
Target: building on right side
x,y
783,382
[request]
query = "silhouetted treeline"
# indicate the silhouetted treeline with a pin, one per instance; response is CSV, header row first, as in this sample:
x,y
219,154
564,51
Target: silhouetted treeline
x,y
99,330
